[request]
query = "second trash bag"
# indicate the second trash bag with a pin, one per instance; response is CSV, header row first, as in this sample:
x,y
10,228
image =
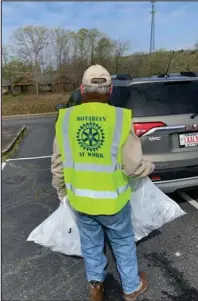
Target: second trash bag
x,y
151,209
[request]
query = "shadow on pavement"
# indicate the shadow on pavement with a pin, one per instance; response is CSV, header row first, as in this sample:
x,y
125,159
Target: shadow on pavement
x,y
113,290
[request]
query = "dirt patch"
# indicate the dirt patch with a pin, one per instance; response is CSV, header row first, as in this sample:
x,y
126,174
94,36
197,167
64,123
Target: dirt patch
x,y
32,104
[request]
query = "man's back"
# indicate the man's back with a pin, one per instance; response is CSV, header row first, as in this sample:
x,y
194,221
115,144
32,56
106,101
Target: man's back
x,y
93,160
133,163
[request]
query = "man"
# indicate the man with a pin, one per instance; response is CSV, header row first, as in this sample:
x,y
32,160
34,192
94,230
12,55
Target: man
x,y
95,153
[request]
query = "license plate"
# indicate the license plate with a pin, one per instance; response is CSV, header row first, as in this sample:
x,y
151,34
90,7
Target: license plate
x,y
188,139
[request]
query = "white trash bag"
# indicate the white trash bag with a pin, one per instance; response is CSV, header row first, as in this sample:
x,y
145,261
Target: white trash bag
x,y
151,209
59,231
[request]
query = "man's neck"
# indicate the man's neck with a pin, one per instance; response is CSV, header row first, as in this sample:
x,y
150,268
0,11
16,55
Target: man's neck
x,y
95,98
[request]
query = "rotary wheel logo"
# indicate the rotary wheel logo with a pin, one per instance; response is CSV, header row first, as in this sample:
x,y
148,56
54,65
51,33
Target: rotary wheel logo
x,y
90,136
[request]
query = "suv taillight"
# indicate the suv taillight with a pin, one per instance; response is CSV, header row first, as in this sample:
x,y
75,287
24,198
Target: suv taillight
x,y
143,127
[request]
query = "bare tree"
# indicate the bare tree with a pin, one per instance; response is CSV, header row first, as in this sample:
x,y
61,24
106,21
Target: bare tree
x,y
29,43
62,46
5,55
83,48
120,48
94,36
74,70
6,70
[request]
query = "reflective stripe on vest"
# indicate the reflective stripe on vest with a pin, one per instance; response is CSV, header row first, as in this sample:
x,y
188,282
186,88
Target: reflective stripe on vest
x,y
69,163
97,194
92,167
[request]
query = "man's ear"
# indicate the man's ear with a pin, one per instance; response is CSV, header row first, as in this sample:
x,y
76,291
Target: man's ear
x,y
82,89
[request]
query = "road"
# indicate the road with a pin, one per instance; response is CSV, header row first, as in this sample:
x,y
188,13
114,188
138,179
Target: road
x,y
31,272
38,141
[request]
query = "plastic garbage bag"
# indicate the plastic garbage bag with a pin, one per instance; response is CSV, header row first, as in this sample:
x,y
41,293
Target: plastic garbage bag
x,y
59,231
151,209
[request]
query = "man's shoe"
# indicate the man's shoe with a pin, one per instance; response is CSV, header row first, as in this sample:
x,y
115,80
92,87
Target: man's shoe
x,y
142,289
96,291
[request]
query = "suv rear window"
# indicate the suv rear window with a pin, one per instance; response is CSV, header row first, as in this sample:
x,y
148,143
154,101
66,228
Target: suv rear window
x,y
155,99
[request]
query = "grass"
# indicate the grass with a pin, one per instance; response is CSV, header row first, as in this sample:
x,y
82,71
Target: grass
x,y
14,147
32,104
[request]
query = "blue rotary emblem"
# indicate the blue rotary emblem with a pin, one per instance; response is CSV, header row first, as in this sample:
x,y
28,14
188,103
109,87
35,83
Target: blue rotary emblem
x,y
90,136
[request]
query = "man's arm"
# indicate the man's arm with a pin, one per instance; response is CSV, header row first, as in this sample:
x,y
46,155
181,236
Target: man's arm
x,y
57,172
133,161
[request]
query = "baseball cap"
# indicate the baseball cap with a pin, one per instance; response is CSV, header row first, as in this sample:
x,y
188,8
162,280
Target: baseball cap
x,y
96,76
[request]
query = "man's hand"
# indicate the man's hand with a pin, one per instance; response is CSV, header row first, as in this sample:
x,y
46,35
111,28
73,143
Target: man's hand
x,y
152,167
61,198
145,169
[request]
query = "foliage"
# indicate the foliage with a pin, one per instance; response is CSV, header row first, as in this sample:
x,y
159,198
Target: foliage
x,y
36,50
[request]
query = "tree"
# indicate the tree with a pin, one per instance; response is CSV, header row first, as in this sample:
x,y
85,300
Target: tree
x,y
62,46
39,50
83,48
29,43
74,56
120,48
104,50
6,72
5,61
94,36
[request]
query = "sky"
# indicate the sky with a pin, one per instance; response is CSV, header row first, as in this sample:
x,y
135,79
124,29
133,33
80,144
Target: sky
x,y
176,22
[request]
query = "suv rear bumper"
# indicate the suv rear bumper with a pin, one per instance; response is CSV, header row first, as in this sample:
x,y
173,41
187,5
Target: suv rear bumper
x,y
170,186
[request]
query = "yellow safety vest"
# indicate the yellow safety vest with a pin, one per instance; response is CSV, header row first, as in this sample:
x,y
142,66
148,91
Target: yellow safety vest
x,y
90,138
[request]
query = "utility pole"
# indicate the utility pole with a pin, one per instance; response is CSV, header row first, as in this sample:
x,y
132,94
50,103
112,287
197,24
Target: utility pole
x,y
152,37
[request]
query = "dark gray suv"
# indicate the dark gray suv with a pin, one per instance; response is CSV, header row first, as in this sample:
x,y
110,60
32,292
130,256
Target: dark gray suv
x,y
165,117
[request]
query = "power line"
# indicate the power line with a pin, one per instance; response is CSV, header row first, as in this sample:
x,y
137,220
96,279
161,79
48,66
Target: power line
x,y
152,37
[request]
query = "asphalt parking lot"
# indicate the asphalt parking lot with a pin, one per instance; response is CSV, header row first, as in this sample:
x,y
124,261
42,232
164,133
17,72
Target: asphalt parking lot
x,y
31,272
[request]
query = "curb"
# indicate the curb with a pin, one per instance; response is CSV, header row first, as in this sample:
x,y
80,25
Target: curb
x,y
29,115
12,144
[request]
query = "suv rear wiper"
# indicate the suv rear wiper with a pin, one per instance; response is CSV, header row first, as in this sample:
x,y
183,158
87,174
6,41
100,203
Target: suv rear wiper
x,y
193,115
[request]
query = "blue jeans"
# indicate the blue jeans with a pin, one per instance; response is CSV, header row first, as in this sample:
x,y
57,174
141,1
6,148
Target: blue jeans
x,y
118,228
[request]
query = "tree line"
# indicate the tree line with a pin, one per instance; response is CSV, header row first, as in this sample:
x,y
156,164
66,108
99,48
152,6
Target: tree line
x,y
35,50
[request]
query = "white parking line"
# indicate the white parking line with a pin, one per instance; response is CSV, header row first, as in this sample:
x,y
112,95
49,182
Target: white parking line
x,y
20,159
188,198
28,158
